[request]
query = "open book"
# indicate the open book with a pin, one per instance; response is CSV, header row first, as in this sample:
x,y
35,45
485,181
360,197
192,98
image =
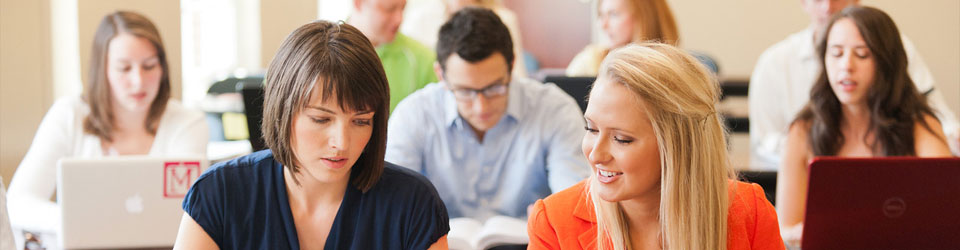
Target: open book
x,y
468,234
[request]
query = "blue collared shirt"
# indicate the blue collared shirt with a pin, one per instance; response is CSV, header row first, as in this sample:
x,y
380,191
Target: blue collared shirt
x,y
533,151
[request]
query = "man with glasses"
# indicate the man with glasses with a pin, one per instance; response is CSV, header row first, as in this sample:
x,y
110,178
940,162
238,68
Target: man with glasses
x,y
490,143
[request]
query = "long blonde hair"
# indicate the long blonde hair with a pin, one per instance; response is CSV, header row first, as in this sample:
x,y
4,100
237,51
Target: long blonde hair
x,y
680,96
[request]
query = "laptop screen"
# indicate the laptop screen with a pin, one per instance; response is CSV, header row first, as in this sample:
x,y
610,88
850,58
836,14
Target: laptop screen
x,y
883,203
123,202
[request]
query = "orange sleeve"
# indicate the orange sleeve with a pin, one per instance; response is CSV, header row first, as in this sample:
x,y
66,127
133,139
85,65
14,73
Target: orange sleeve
x,y
542,235
767,231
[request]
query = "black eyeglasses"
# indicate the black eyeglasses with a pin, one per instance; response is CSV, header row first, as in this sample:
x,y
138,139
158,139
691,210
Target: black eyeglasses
x,y
467,94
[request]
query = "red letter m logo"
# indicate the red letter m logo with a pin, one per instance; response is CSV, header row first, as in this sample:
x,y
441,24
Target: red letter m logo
x,y
178,176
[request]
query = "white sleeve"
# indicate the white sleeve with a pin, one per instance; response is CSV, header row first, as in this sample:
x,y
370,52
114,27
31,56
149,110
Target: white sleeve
x,y
6,233
191,135
923,79
584,63
35,181
768,127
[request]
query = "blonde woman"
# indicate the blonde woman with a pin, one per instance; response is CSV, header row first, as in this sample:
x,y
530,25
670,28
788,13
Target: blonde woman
x,y
661,178
624,22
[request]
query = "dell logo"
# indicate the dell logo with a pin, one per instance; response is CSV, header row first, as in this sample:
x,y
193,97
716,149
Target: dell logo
x,y
894,207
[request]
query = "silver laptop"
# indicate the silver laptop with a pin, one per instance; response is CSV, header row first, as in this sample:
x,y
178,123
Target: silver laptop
x,y
123,202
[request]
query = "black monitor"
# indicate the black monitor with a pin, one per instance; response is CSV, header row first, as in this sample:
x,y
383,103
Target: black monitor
x,y
577,87
253,110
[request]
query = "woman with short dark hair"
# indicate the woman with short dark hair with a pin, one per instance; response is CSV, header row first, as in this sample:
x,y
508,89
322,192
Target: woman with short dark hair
x,y
323,183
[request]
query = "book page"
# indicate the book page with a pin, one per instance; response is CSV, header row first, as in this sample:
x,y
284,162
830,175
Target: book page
x,y
502,230
462,233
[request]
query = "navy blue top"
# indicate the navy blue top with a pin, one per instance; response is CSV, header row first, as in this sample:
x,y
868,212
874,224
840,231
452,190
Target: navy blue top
x,y
242,204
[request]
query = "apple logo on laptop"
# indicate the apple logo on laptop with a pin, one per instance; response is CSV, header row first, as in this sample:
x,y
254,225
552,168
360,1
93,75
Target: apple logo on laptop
x,y
134,204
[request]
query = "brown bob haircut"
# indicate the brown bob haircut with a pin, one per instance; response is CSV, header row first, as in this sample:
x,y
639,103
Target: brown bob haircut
x,y
339,59
100,122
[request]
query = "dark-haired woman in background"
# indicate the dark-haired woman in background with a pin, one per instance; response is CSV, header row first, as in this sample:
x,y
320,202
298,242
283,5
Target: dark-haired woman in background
x,y
323,184
864,104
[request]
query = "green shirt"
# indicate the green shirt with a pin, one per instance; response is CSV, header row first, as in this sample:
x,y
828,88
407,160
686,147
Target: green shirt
x,y
409,66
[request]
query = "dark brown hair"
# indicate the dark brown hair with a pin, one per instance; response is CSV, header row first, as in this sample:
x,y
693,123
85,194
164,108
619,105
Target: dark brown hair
x,y
894,102
100,121
341,61
474,33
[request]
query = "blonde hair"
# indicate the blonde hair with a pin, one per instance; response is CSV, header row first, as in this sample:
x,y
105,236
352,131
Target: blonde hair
x,y
680,96
652,21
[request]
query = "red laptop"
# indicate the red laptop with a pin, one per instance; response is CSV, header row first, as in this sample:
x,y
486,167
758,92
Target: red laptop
x,y
883,203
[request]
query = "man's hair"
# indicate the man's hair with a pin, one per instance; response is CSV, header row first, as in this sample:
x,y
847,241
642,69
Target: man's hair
x,y
474,34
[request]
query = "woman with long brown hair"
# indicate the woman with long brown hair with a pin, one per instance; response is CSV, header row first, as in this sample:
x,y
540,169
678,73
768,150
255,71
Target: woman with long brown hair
x,y
125,110
864,104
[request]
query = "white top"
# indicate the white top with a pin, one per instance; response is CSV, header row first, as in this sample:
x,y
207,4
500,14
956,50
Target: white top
x,y
422,20
587,62
780,87
6,233
181,132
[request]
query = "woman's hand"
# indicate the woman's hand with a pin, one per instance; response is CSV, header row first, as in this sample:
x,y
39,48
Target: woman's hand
x,y
792,235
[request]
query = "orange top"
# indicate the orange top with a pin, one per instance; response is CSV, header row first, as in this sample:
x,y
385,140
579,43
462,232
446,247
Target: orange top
x,y
566,220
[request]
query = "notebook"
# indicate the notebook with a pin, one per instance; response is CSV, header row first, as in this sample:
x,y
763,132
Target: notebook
x,y
123,202
883,203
